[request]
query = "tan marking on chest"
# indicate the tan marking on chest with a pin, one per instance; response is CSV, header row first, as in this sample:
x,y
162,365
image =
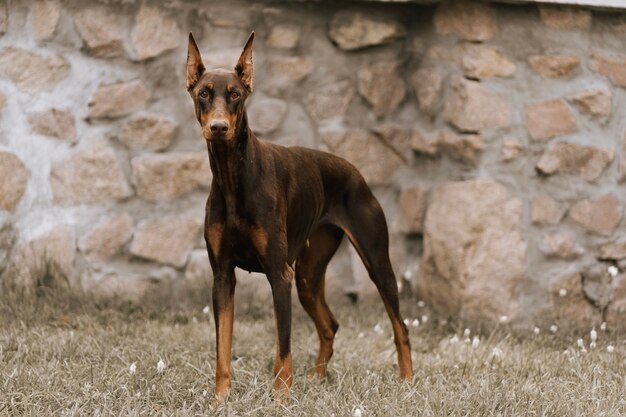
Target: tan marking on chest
x,y
214,233
258,236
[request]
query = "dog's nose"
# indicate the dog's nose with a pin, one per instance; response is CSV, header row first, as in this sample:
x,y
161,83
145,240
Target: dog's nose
x,y
219,127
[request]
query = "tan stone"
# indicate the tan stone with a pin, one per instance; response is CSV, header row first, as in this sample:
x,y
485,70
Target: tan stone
x,y
611,66
554,66
54,122
118,99
101,29
330,101
480,62
471,20
471,107
3,101
424,144
573,306
107,238
4,17
474,251
562,17
13,180
596,103
561,245
284,36
460,147
622,162
167,176
412,209
350,31
616,311
613,251
222,58
44,18
587,162
32,72
265,114
511,149
382,87
546,211
292,68
597,285
154,33
547,119
167,240
90,175
153,133
599,215
427,85
396,136
376,162
198,268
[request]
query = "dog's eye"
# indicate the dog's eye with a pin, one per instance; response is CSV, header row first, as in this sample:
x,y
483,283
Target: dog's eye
x,y
204,94
234,95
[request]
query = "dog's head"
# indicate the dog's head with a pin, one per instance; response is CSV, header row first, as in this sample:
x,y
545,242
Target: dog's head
x,y
219,95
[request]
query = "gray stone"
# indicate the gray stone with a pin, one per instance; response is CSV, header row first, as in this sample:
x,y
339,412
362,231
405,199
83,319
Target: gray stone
x,y
54,122
168,176
284,36
167,240
107,238
149,132
118,99
291,68
13,180
412,209
266,114
573,306
90,175
352,31
330,101
597,285
32,72
101,30
471,107
474,251
614,251
154,33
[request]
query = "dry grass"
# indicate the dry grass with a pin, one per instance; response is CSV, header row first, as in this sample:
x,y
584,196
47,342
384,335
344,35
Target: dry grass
x,y
60,357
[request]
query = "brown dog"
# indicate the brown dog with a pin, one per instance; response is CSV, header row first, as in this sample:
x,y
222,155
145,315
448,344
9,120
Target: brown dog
x,y
271,207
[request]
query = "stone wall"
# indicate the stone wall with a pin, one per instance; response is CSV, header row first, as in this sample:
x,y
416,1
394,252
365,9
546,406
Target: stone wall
x,y
492,134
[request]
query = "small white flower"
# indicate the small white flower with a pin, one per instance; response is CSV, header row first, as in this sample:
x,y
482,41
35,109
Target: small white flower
x,y
454,339
610,348
133,368
467,340
407,274
378,328
583,350
592,345
580,343
593,335
562,292
603,326
613,271
205,393
206,310
194,319
504,319
554,328
443,322
415,323
475,342
496,352
424,318
421,304
399,283
161,366
466,332
406,322
357,412
536,330
361,335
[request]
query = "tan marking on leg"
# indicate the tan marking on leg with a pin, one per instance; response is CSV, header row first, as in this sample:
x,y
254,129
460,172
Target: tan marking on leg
x,y
224,346
214,234
403,347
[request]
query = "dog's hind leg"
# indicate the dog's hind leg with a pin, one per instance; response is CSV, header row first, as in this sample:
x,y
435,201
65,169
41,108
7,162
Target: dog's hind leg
x,y
310,270
365,225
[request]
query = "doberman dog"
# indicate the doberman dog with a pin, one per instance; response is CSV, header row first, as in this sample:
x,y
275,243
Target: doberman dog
x,y
271,207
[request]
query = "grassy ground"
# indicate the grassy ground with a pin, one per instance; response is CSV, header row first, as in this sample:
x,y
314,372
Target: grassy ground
x,y
60,359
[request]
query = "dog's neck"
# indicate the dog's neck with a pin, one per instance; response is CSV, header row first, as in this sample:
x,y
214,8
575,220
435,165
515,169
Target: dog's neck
x,y
232,161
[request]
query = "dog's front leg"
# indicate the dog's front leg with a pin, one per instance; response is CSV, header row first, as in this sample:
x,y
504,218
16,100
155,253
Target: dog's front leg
x,y
223,311
281,292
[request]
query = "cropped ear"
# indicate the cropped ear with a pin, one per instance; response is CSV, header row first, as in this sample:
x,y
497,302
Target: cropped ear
x,y
195,67
244,66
